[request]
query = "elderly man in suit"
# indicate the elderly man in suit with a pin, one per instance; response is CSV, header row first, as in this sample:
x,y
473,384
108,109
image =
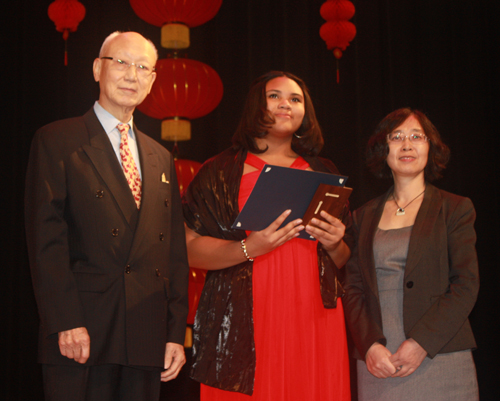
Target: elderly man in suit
x,y
106,242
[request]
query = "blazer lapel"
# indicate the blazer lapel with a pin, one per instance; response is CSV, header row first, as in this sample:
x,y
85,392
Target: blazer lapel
x,y
151,181
103,157
423,226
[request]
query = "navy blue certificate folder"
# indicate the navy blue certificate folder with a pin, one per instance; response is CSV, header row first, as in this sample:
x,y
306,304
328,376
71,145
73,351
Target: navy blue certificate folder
x,y
279,189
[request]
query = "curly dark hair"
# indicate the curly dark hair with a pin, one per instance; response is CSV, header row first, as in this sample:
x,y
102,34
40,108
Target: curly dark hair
x,y
256,119
378,148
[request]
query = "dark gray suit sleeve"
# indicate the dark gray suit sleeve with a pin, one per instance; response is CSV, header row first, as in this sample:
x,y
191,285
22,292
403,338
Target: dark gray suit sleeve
x,y
358,300
47,237
178,270
450,311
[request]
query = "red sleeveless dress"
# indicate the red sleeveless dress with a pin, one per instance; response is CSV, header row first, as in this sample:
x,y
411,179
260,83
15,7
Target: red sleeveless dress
x,y
301,347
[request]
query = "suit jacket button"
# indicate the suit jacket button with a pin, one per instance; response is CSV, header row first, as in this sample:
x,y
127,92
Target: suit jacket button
x,y
158,274
114,232
166,202
99,193
162,237
409,284
127,269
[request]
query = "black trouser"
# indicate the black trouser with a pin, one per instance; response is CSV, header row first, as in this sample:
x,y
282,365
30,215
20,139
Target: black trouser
x,y
100,383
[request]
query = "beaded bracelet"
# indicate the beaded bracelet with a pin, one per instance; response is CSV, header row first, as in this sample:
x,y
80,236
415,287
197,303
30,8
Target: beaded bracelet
x,y
244,249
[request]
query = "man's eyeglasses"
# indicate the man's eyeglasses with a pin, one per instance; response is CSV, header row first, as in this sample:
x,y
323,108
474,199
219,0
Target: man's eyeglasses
x,y
399,137
142,70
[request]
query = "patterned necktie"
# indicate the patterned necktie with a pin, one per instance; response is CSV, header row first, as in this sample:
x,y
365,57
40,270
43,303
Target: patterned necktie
x,y
129,166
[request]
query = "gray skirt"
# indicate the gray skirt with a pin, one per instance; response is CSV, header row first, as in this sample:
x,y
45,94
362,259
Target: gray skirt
x,y
449,376
445,377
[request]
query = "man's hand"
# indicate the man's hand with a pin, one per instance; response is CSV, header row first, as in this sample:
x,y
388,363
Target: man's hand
x,y
75,344
174,360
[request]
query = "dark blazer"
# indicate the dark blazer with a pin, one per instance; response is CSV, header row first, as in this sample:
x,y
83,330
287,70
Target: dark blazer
x,y
441,278
96,261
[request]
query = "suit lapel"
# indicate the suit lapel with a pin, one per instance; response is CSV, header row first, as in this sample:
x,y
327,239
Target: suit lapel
x,y
103,157
423,226
151,181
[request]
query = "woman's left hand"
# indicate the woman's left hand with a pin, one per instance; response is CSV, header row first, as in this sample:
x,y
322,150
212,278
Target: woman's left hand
x,y
329,233
407,358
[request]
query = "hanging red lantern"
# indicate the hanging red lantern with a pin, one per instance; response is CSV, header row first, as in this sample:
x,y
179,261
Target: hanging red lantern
x,y
337,32
175,17
186,170
195,287
184,89
66,14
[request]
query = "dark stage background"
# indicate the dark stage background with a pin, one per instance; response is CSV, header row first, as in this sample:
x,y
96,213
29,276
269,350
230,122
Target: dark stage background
x,y
435,55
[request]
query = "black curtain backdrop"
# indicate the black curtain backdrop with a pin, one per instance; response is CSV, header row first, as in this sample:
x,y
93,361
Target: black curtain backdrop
x,y
435,55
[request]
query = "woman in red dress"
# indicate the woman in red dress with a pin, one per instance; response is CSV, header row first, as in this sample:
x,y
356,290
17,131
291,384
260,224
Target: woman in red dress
x,y
270,323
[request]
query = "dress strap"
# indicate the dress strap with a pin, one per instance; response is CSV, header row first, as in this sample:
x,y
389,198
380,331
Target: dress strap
x,y
300,163
258,163
255,161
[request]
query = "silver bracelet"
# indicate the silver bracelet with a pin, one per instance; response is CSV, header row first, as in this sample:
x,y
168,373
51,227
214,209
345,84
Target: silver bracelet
x,y
244,249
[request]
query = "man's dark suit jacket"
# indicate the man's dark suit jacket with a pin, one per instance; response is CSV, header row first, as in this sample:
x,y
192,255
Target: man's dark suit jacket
x,y
96,261
441,278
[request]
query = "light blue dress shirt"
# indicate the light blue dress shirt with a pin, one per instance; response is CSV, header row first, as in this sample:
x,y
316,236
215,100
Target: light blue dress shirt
x,y
109,123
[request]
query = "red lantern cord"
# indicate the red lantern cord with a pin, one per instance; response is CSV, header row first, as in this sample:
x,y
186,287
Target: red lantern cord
x,y
66,14
337,32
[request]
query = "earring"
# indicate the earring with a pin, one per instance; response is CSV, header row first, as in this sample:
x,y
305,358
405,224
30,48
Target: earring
x,y
298,136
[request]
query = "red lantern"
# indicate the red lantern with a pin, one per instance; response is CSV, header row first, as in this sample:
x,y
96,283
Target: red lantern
x,y
175,17
66,14
195,287
186,170
184,89
337,32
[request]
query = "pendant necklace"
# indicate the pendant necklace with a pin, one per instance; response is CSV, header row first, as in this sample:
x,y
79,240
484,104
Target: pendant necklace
x,y
401,210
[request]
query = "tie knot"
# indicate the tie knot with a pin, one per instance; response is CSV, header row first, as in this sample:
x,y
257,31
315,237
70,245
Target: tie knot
x,y
123,128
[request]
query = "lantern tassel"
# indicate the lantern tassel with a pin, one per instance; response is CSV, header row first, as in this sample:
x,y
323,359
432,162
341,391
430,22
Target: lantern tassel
x,y
65,53
338,71
65,37
175,151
